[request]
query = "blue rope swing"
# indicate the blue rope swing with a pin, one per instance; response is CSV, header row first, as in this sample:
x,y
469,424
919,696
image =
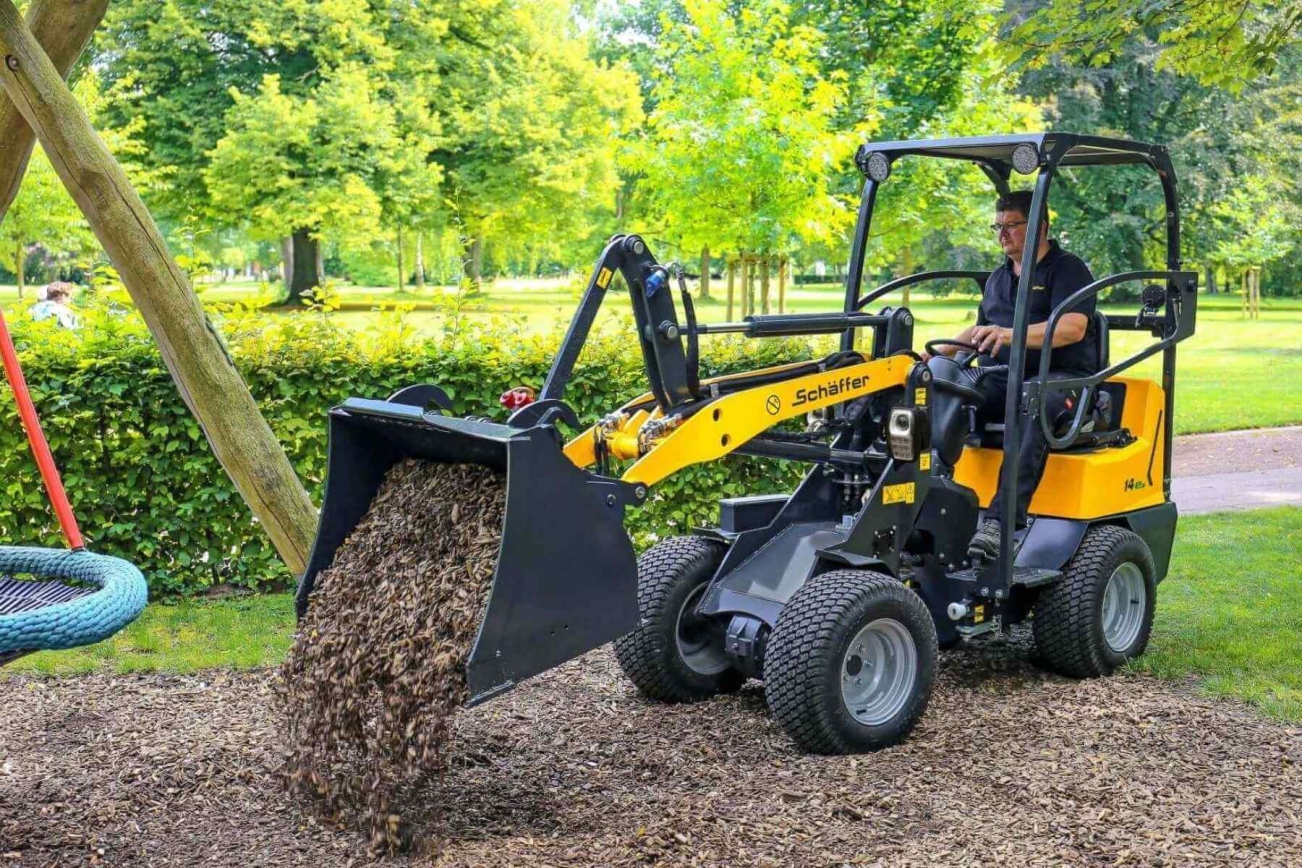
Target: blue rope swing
x,y
52,599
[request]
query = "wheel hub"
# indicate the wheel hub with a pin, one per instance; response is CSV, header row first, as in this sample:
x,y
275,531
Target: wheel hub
x,y
700,640
878,672
1124,600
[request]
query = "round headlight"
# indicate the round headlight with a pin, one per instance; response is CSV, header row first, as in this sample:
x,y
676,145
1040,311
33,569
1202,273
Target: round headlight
x,y
1026,159
879,166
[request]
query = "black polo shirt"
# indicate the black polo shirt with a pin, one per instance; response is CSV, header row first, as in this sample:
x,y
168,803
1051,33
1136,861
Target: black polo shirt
x,y
1057,276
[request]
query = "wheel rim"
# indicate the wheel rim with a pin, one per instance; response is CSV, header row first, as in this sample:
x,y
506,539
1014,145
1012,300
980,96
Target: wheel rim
x,y
878,672
1124,601
700,640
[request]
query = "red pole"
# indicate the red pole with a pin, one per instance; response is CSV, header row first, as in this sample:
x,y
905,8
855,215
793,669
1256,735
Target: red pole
x,y
36,437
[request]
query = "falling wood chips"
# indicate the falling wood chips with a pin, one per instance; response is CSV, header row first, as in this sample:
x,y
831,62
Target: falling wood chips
x,y
378,667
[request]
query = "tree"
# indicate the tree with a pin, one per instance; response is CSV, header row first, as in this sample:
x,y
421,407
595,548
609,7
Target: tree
x,y
42,214
177,65
305,165
742,140
532,130
1223,43
1220,142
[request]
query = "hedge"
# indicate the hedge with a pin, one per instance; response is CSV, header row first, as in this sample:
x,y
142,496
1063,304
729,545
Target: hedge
x,y
146,487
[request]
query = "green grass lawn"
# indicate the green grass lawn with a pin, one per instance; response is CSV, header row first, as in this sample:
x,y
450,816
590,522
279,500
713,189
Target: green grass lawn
x,y
1233,373
1229,614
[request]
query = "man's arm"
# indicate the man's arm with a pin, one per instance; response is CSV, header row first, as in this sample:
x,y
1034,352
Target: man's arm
x,y
967,336
990,338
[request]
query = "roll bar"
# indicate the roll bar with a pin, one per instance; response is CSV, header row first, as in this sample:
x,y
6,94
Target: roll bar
x,y
1177,324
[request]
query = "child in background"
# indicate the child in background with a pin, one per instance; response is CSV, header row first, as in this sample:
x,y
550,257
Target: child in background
x,y
57,296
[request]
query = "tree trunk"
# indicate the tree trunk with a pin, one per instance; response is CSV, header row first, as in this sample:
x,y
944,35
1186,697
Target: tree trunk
x,y
732,276
907,256
745,286
1210,271
287,262
402,276
782,284
420,261
705,272
764,284
20,267
63,28
474,263
190,346
304,264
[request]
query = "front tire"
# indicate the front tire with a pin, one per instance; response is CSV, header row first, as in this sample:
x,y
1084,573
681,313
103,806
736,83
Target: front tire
x,y
851,662
676,656
1100,613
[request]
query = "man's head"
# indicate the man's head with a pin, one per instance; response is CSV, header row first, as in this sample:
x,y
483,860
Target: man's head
x,y
1012,212
59,292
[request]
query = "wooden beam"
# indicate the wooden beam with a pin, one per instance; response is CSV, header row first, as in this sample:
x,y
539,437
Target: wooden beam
x,y
63,28
194,354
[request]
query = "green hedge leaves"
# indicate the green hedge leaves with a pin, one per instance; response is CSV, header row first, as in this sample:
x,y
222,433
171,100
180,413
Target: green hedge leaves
x,y
146,487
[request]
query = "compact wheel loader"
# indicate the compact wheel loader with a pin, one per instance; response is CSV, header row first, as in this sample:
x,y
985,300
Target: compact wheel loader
x,y
839,594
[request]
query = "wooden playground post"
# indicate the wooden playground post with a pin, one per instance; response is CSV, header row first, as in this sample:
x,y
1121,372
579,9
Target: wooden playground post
x,y
203,371
63,28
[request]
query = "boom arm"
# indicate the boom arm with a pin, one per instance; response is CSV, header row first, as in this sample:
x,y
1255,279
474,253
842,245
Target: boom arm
x,y
664,445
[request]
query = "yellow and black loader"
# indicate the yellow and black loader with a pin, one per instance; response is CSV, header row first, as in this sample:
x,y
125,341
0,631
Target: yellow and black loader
x,y
839,594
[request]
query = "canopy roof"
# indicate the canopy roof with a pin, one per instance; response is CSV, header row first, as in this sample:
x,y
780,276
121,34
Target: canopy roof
x,y
996,151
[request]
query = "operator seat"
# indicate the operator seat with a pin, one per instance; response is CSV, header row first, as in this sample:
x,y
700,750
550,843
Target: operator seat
x,y
1101,428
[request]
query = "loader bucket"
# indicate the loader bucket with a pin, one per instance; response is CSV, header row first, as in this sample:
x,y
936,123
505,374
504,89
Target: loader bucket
x,y
566,576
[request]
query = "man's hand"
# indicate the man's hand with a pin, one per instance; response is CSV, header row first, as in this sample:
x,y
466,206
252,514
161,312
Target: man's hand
x,y
990,338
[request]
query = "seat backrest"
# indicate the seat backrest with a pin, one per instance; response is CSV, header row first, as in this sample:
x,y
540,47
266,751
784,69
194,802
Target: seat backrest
x,y
1101,342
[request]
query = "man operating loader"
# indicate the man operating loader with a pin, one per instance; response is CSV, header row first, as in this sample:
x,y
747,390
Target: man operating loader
x,y
1057,275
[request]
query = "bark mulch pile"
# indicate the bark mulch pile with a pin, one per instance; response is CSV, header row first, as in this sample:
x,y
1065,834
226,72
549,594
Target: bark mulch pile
x,y
1008,766
378,668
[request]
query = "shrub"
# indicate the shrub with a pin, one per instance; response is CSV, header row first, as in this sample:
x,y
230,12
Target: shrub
x,y
146,487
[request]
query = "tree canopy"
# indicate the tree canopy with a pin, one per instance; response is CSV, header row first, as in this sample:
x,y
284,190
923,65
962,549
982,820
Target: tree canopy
x,y
517,135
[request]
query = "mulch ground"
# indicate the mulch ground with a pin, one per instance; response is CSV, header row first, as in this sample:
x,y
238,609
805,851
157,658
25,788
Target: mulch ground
x,y
1009,766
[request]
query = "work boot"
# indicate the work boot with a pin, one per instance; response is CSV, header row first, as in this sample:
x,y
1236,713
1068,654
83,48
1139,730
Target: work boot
x,y
985,542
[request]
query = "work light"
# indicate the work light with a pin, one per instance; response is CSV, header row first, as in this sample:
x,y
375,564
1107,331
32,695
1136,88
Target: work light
x,y
1026,159
879,166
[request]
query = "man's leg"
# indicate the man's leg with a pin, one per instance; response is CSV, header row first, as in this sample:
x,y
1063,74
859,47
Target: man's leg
x,y
985,543
1032,456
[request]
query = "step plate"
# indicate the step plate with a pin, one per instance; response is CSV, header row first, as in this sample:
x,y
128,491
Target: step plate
x,y
1027,577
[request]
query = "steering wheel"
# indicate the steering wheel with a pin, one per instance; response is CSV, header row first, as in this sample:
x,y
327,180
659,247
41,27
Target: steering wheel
x,y
967,362
962,390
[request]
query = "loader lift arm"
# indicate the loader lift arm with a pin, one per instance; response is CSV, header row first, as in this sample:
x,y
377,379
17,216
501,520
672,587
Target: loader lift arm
x,y
653,311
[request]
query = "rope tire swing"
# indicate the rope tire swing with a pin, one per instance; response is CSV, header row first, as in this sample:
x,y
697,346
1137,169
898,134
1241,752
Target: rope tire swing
x,y
52,599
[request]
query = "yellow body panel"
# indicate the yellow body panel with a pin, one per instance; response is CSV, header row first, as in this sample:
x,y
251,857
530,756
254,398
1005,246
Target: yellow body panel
x,y
1091,484
732,420
582,449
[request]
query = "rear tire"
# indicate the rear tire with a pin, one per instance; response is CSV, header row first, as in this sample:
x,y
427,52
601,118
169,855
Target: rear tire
x,y
675,656
836,631
1100,613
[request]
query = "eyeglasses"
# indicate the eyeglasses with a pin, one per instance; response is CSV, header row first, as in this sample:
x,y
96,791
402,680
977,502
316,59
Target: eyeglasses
x,y
999,228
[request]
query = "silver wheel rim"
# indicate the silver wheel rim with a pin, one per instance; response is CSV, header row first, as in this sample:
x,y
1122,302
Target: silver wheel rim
x,y
1124,601
878,672
700,640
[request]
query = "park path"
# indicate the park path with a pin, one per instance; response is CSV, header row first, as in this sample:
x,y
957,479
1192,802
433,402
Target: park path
x,y
1236,470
